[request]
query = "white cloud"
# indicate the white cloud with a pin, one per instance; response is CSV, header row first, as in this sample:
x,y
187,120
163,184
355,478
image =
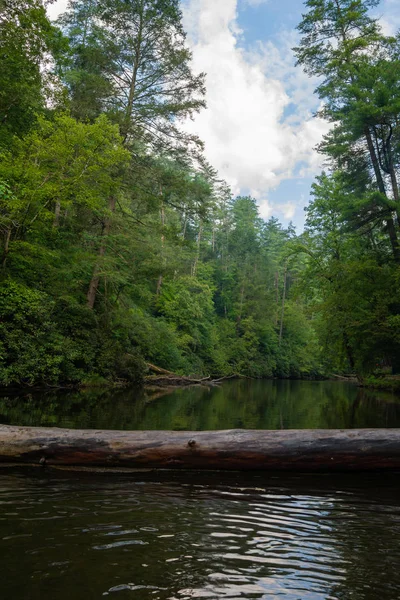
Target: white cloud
x,y
288,209
54,10
258,126
390,16
265,209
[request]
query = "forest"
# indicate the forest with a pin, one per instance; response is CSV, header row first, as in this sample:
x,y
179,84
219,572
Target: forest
x,y
121,246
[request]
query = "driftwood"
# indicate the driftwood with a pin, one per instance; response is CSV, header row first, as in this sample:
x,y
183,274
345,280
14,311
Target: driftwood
x,y
348,378
301,450
175,381
159,370
164,378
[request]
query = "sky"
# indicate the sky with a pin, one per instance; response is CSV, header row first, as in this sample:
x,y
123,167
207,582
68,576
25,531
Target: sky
x,y
259,127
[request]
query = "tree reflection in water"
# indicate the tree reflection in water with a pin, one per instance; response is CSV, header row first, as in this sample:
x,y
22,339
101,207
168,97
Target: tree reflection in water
x,y
250,404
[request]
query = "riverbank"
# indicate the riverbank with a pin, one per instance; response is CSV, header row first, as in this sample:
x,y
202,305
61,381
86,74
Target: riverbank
x,y
159,379
153,376
388,383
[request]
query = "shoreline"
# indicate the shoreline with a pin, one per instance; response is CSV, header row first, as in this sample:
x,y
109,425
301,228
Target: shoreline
x,y
389,384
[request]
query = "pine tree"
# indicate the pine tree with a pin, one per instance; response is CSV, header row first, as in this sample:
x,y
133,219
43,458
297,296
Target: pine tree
x,y
343,45
135,51
27,42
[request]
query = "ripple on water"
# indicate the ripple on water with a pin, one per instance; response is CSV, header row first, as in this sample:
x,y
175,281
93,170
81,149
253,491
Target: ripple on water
x,y
176,539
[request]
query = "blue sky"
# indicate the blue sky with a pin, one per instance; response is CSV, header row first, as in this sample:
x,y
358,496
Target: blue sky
x,y
271,21
258,128
260,20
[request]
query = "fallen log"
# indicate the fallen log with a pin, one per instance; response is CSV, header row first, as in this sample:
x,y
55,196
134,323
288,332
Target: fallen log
x,y
301,450
349,378
159,370
176,381
164,378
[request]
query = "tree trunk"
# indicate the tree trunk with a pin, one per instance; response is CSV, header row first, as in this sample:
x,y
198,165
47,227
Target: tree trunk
x,y
7,239
196,260
276,297
298,450
57,211
241,303
160,278
94,282
184,226
381,186
283,304
395,188
132,88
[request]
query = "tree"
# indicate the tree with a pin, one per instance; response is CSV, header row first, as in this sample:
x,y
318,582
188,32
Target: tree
x,y
343,45
134,53
59,170
137,48
350,284
86,70
28,42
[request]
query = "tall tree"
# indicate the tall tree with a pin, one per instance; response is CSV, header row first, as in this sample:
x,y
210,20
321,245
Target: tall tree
x,y
28,41
352,288
343,45
134,51
138,48
86,72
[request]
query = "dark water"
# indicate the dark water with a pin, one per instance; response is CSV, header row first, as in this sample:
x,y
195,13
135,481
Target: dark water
x,y
178,536
235,404
192,535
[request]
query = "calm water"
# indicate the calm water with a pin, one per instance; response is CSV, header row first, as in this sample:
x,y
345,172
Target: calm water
x,y
192,535
178,536
235,404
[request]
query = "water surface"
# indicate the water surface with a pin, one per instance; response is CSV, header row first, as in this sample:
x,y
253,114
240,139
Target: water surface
x,y
178,536
235,404
195,535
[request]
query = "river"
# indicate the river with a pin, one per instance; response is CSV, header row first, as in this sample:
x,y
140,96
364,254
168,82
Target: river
x,y
246,404
178,536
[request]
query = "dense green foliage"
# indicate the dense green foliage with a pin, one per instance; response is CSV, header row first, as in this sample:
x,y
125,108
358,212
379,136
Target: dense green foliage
x,y
353,226
120,246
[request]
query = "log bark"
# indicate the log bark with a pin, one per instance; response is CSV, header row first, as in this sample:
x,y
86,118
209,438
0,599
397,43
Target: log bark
x,y
300,450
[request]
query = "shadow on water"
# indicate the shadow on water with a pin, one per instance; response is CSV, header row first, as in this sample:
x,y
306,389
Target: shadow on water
x,y
177,536
235,404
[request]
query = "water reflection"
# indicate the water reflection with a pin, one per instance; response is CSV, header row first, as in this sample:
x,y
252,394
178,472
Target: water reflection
x,y
191,535
235,404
